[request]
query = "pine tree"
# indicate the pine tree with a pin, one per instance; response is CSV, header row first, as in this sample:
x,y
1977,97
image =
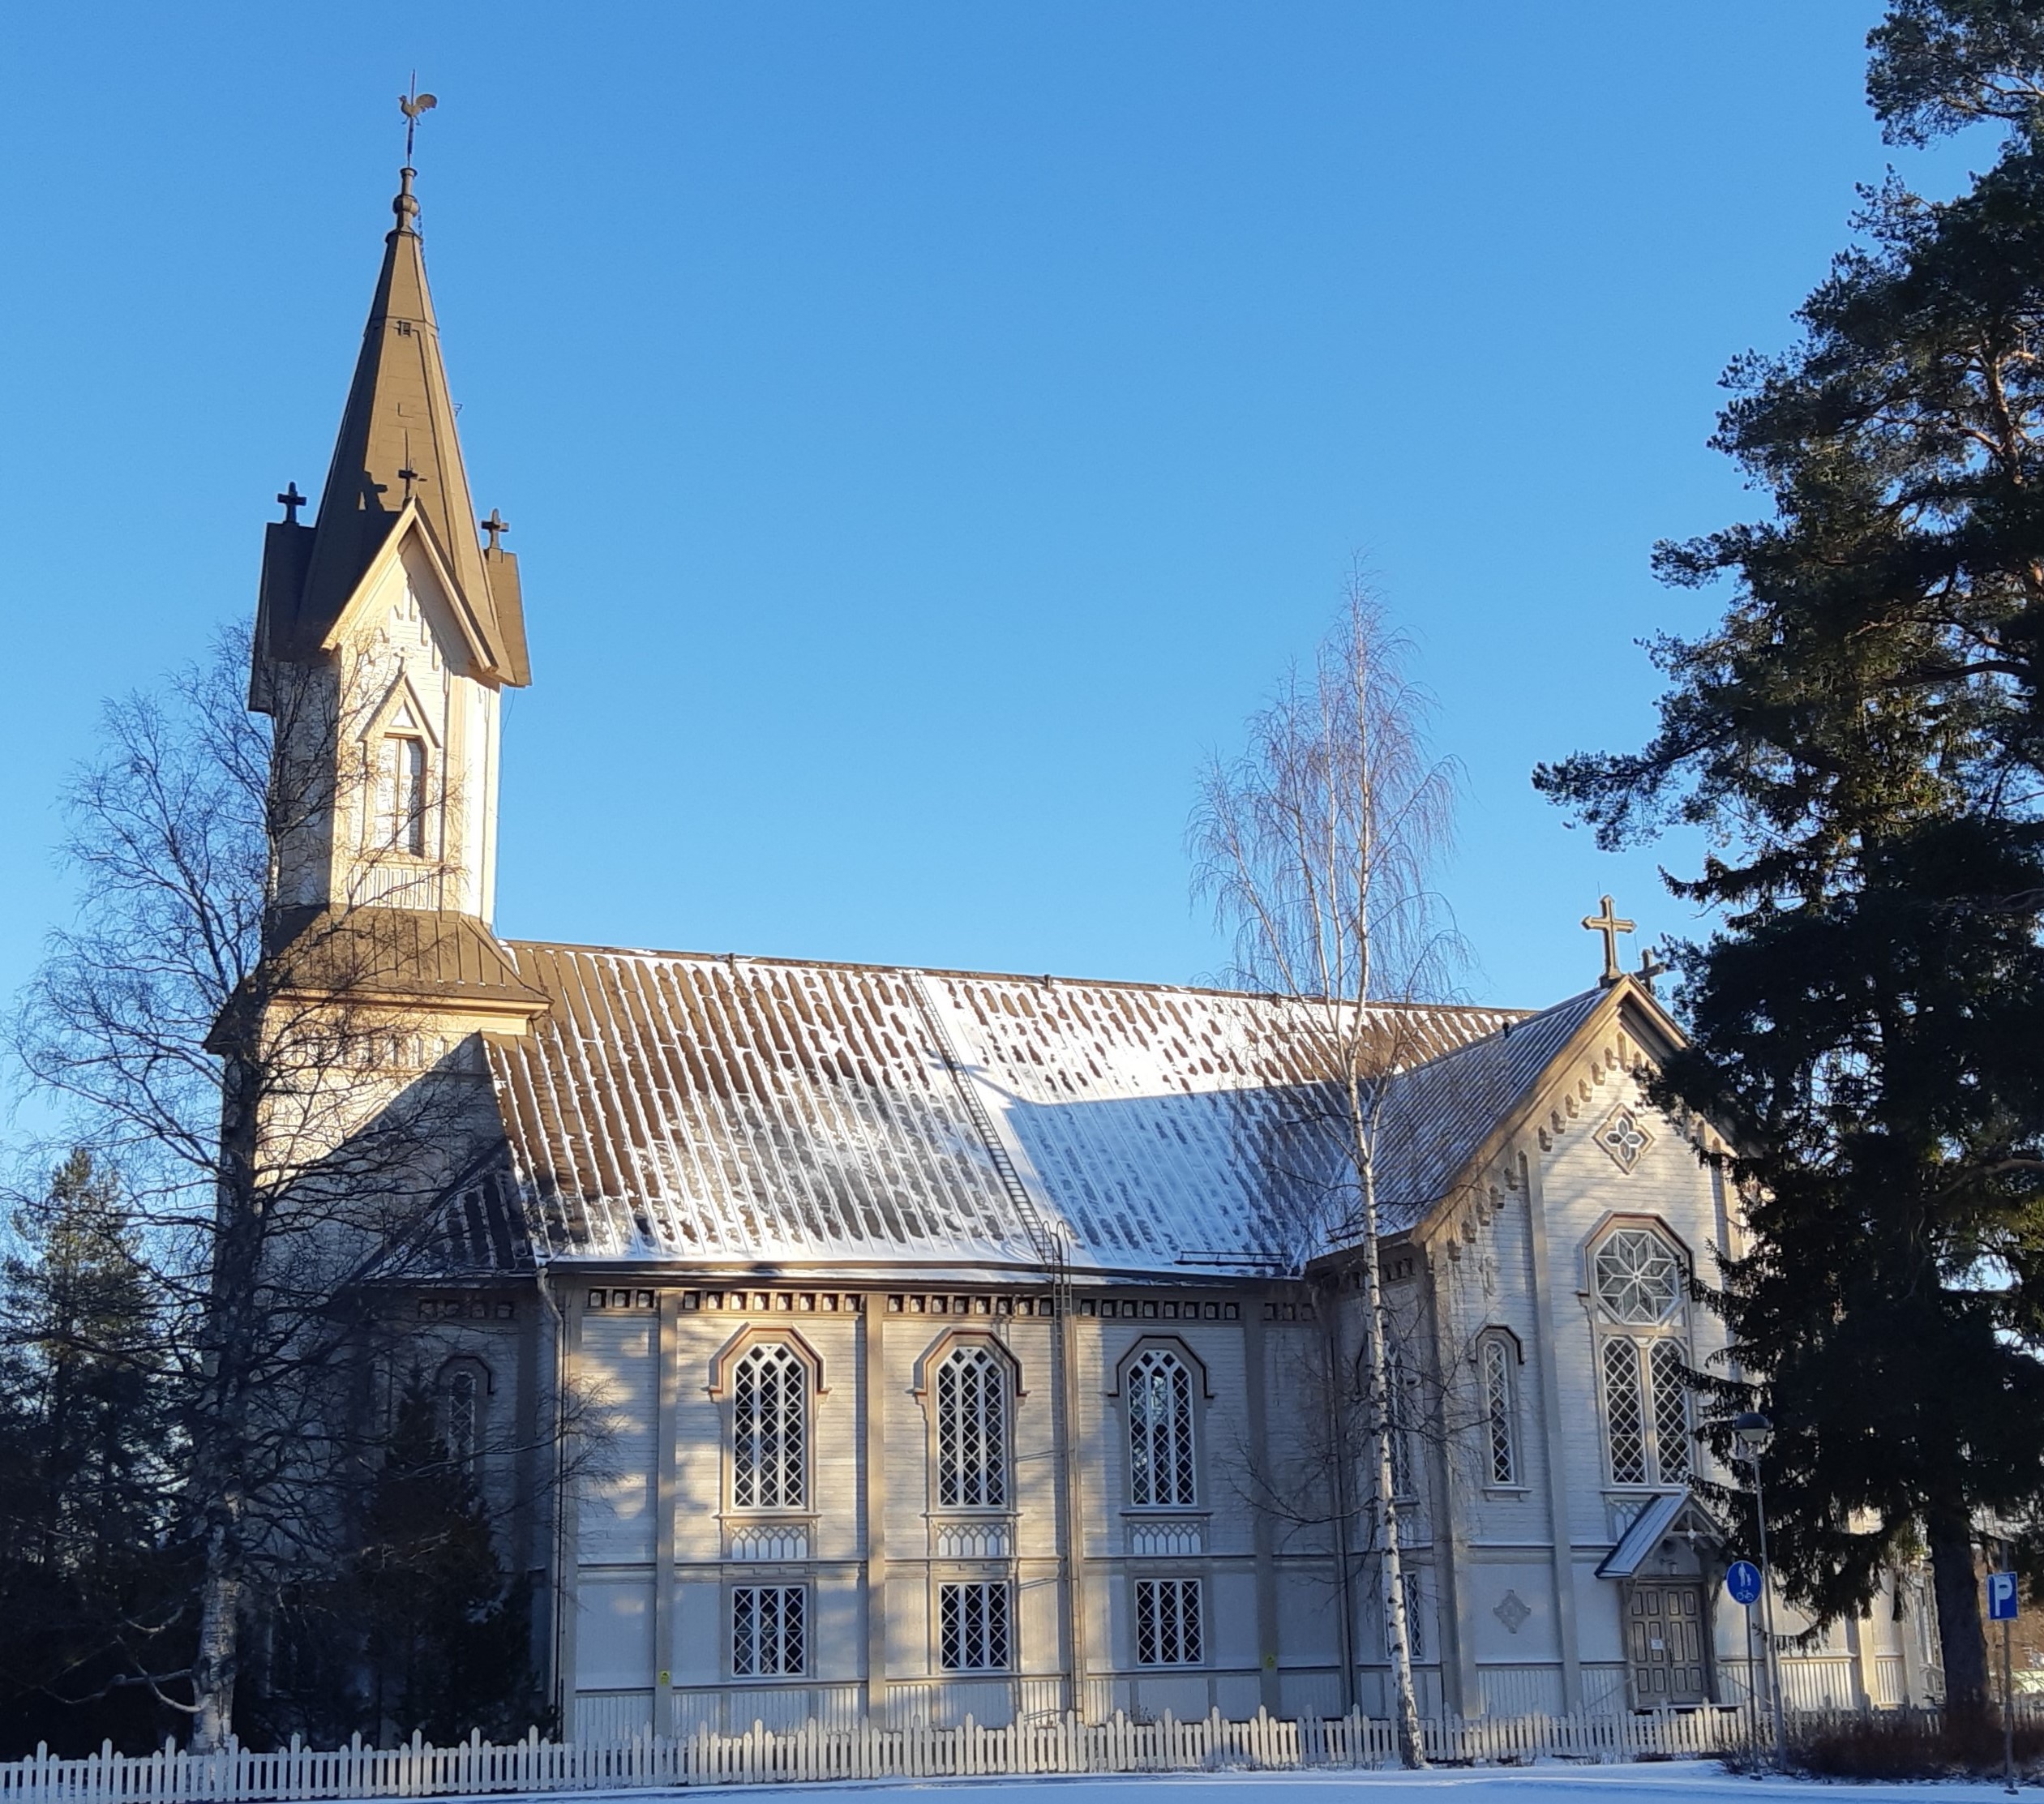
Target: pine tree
x,y
87,1468
1861,734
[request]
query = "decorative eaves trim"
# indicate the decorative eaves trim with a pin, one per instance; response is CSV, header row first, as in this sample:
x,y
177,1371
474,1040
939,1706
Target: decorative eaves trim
x,y
410,522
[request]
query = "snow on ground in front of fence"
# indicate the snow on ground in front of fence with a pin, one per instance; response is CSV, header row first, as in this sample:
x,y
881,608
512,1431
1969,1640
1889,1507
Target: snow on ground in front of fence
x,y
1554,1782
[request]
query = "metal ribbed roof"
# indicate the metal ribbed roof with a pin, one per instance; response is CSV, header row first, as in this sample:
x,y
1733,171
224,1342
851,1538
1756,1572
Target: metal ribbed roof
x,y
764,1113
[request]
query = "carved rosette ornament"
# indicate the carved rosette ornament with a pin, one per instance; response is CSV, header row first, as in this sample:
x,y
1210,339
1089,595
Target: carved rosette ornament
x,y
1624,1137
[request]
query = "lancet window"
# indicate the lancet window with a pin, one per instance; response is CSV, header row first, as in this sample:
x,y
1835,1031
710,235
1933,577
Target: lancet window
x,y
770,1430
1497,1362
1161,1460
972,1430
1637,1278
401,794
461,1393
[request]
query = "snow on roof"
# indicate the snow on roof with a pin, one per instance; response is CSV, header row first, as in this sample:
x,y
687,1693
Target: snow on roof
x,y
764,1114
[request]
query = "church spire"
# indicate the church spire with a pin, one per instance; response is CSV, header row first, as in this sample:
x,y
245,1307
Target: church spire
x,y
397,453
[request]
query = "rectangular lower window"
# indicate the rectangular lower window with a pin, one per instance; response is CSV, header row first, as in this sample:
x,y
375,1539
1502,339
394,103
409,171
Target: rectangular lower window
x,y
1167,1622
972,1628
768,1631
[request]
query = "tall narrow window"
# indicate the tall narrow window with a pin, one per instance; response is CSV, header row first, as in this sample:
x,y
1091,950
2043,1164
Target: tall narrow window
x,y
1500,1410
1160,1430
1398,1403
768,1631
770,1398
401,794
1671,1411
972,1431
1625,1412
972,1627
1638,1277
464,1415
1167,1628
1412,1594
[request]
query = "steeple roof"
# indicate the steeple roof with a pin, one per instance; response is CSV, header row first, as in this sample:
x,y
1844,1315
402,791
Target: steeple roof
x,y
397,442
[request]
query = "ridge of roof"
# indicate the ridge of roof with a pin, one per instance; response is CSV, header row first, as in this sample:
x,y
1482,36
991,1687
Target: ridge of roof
x,y
1517,1016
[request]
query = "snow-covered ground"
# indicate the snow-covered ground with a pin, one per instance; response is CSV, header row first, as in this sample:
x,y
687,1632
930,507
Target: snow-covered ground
x,y
1672,1782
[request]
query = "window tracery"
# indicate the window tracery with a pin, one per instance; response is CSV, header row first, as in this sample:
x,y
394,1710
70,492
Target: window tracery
x,y
1501,1408
1637,1278
972,1430
770,1430
1161,1460
464,1415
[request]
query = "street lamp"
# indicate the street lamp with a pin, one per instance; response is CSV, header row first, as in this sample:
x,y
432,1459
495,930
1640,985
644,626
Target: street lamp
x,y
1755,1435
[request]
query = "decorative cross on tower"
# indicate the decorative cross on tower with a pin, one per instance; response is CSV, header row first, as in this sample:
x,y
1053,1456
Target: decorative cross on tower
x,y
1609,924
408,475
495,525
293,501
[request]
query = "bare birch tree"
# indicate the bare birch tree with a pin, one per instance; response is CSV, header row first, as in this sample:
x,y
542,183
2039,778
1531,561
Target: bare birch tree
x,y
285,1118
1317,847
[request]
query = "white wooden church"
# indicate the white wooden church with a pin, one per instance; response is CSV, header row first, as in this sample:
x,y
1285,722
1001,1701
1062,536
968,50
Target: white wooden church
x,y
951,1353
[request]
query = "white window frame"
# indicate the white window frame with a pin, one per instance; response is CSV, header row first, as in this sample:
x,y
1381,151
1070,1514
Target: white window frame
x,y
770,1631
1640,1352
769,1461
465,1386
1497,1362
1412,1588
1405,1475
973,1410
1170,1627
1164,1432
975,1626
400,827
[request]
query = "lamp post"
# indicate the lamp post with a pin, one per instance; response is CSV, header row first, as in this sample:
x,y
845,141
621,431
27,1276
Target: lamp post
x,y
1755,1435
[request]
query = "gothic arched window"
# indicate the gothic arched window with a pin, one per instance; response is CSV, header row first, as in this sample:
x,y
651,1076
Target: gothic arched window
x,y
770,1430
1637,1278
1498,1360
462,1386
1160,1430
972,1430
1398,1405
401,794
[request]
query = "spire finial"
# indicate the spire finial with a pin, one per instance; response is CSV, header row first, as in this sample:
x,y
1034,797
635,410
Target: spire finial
x,y
405,206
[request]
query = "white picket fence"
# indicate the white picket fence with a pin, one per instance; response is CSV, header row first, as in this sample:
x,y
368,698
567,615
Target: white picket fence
x,y
811,1752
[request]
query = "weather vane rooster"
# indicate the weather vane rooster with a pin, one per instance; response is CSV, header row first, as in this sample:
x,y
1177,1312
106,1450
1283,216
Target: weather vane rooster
x,y
411,105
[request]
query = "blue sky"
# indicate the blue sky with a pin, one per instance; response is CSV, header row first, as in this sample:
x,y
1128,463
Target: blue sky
x,y
929,429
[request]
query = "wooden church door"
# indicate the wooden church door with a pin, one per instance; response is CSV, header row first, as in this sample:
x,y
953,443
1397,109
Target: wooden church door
x,y
1664,1635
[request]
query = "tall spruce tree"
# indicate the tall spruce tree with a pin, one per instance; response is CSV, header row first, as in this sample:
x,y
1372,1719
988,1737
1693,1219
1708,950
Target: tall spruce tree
x,y
88,1469
448,1631
1862,736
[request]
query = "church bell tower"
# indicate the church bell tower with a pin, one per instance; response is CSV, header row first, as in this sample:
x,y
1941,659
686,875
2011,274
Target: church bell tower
x,y
386,634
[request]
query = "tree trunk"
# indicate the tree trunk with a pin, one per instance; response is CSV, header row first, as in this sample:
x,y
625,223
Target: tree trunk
x,y
1390,1564
218,1660
1955,1583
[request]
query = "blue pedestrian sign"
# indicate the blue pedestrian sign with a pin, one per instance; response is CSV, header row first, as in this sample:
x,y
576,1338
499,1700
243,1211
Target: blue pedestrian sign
x,y
2001,1597
1742,1579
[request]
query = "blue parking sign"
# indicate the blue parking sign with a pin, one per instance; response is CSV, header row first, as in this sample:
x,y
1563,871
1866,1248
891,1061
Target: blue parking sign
x,y
1742,1579
2001,1597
